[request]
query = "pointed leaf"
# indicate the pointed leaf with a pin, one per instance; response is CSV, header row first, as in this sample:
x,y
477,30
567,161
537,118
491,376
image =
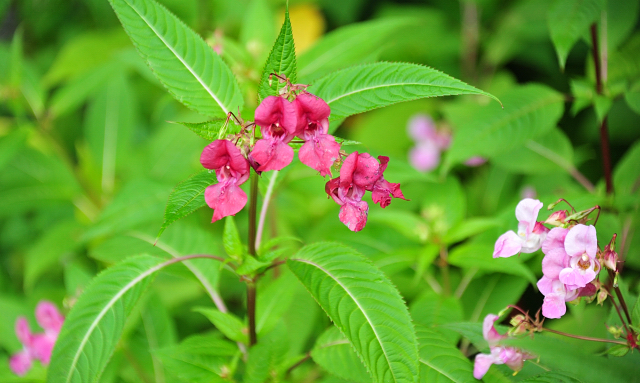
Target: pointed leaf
x,y
364,305
569,20
211,130
334,353
529,112
227,323
362,88
192,72
187,197
281,61
231,239
439,360
94,325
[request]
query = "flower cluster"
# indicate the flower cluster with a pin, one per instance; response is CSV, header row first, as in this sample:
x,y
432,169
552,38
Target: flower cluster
x,y
295,113
360,173
511,356
36,346
571,260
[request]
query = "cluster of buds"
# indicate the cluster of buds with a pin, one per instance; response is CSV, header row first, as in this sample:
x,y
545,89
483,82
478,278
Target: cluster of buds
x,y
294,113
572,259
36,346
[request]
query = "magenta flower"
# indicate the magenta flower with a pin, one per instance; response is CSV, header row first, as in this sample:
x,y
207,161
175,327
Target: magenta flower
x,y
277,119
531,233
511,356
320,150
232,170
36,346
382,188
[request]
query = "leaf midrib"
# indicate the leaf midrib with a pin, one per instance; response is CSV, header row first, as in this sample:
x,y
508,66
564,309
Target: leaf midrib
x,y
226,111
359,306
437,369
395,84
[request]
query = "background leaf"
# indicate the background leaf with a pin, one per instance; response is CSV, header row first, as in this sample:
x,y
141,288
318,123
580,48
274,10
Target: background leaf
x,y
334,353
441,361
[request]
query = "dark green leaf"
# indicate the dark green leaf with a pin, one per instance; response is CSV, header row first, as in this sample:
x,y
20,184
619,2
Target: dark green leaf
x,y
227,323
334,353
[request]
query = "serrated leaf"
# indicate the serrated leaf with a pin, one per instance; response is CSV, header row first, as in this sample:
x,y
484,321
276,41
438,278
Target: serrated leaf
x,y
187,197
333,352
211,130
439,360
569,20
231,239
281,61
227,323
365,87
364,305
529,112
192,72
94,325
431,310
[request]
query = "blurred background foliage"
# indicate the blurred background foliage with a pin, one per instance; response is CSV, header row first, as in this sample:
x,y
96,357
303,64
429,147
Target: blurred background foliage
x,y
89,155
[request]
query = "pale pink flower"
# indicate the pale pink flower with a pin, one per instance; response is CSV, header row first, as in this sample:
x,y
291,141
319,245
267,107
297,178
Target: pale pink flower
x,y
430,142
530,234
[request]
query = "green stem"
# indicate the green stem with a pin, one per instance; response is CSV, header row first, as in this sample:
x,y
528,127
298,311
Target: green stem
x,y
251,285
251,312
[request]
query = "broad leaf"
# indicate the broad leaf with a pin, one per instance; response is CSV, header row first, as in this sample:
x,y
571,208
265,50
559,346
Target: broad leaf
x,y
187,197
94,325
439,360
227,323
529,112
281,61
366,87
334,353
192,72
364,305
569,20
431,310
211,130
231,239
626,176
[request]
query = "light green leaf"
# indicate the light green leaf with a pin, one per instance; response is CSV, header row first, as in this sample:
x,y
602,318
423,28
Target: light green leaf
x,y
231,239
187,197
468,228
569,20
275,300
334,353
94,325
258,32
362,88
441,361
626,176
192,72
227,323
211,130
542,155
529,112
364,305
350,45
281,61
12,143
431,310
551,377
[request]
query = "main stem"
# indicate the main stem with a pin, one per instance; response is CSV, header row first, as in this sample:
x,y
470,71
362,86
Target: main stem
x,y
251,284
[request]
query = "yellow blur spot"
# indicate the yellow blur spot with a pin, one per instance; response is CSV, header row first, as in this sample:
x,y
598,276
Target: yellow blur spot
x,y
307,23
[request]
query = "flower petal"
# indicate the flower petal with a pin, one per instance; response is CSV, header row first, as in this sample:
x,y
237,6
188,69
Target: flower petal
x,y
555,239
48,316
354,214
23,332
489,331
20,363
424,156
481,365
225,198
527,213
554,262
581,239
508,244
320,153
554,306
271,154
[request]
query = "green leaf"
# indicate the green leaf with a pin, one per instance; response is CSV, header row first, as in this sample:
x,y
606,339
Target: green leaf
x,y
275,300
632,98
468,228
431,310
12,143
439,360
569,20
211,130
350,45
479,255
192,72
281,61
551,377
364,305
618,350
187,197
529,112
627,172
94,325
333,352
231,239
362,88
227,323
546,154
635,314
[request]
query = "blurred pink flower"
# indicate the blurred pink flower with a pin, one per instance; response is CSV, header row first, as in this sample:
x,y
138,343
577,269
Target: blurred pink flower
x,y
36,346
430,142
475,161
531,233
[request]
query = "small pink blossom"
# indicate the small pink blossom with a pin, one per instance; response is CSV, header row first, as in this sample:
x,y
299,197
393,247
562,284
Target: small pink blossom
x,y
475,161
278,120
511,356
36,346
531,233
430,142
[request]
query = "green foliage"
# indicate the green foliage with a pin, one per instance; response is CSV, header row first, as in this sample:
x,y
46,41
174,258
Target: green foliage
x,y
226,323
364,305
181,60
333,352
211,130
231,240
281,61
440,361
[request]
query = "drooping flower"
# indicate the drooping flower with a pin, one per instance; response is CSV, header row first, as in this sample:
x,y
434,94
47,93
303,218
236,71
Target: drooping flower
x,y
36,346
232,170
382,188
531,233
277,119
511,356
320,150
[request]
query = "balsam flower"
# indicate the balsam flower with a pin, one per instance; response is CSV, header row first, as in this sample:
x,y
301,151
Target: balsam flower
x,y
36,346
511,356
531,233
430,142
277,119
232,170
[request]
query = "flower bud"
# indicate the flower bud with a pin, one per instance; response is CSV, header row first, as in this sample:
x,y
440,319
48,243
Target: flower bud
x,y
616,331
602,296
557,218
611,259
520,325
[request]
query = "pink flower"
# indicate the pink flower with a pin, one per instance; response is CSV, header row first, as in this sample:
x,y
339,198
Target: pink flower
x,y
424,156
277,119
320,150
475,161
511,356
382,188
530,234
430,142
232,169
36,346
